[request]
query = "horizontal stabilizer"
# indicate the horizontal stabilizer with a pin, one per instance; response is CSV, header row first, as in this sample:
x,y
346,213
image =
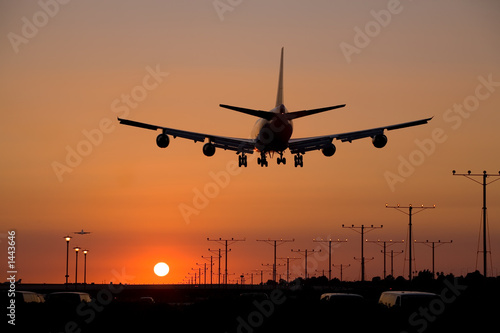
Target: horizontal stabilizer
x,y
256,113
303,113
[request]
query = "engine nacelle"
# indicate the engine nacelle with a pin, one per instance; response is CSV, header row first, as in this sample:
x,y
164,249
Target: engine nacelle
x,y
208,149
328,150
162,140
379,140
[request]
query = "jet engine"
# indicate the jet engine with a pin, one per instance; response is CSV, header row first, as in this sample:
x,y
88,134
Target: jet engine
x,y
162,140
208,149
328,149
379,140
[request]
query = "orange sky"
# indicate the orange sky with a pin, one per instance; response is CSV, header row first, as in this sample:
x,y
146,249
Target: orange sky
x,y
62,87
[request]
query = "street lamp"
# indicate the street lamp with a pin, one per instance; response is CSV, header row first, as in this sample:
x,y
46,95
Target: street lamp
x,y
85,267
67,238
76,248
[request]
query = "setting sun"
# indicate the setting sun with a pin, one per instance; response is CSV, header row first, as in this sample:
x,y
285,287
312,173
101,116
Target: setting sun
x,y
161,269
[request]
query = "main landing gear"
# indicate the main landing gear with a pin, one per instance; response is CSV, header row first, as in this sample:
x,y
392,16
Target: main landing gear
x,y
299,161
262,160
242,160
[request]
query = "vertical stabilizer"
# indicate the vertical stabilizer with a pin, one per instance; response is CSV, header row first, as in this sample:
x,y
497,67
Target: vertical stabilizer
x,y
279,98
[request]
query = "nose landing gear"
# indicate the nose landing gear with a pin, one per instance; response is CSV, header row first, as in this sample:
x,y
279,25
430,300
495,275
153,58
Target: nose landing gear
x,y
281,159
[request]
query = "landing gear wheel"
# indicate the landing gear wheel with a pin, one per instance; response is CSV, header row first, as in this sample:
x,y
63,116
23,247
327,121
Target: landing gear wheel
x,y
299,161
281,159
242,160
262,160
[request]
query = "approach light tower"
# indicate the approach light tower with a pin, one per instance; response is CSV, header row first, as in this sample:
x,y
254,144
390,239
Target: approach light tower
x,y
330,241
219,255
288,266
304,253
362,232
211,265
225,242
342,266
275,242
485,175
433,246
385,246
410,242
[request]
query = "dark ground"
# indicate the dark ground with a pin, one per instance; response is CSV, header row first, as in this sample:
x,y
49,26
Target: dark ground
x,y
469,304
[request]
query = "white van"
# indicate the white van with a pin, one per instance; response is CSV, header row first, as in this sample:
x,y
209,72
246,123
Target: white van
x,y
29,297
406,299
68,298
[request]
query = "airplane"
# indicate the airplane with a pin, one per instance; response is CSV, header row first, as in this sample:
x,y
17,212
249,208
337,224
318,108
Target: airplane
x,y
272,133
82,232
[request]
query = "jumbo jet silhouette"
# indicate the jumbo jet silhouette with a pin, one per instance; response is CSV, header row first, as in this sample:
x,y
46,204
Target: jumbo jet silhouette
x,y
272,133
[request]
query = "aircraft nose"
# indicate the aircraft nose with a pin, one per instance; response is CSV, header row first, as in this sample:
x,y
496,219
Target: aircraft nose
x,y
282,108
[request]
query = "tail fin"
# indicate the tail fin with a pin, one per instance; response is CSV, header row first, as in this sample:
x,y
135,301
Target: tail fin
x,y
279,97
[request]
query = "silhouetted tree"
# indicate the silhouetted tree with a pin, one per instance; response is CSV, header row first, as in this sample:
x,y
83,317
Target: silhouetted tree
x,y
389,278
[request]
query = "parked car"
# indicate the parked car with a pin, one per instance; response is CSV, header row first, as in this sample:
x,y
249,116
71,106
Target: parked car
x,y
406,300
343,301
70,298
29,297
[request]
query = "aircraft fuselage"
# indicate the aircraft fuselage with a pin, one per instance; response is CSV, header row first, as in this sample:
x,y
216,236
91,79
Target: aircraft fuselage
x,y
273,135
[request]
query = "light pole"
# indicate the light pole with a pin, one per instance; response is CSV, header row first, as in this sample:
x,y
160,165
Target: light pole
x,y
391,242
85,267
362,232
67,238
76,248
485,175
341,267
288,266
225,243
330,252
304,252
433,246
410,242
274,242
211,265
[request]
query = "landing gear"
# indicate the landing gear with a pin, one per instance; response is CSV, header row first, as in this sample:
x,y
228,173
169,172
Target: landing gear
x,y
299,161
262,160
242,160
281,159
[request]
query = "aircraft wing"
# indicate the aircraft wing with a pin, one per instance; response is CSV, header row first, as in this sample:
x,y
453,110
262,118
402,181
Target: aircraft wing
x,y
303,145
226,143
